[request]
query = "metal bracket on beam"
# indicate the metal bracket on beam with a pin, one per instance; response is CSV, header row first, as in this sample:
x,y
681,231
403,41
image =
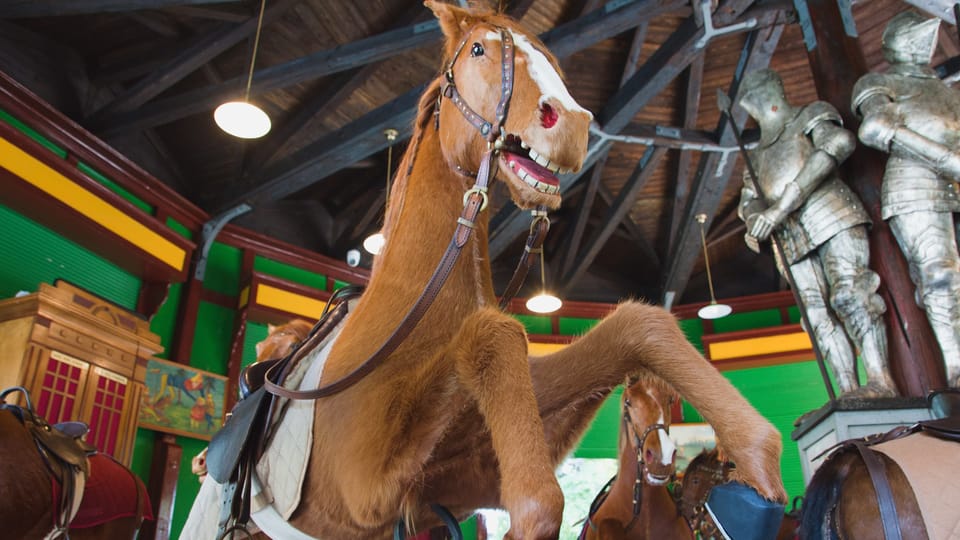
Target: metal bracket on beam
x,y
209,233
710,31
666,132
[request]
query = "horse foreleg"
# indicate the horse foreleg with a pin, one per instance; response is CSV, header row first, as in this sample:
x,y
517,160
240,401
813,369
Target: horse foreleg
x,y
639,336
490,358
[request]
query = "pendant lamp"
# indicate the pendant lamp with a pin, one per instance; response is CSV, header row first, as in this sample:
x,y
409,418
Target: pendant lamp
x,y
713,310
241,118
374,243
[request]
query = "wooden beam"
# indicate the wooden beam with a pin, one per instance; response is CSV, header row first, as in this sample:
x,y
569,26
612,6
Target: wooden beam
x,y
20,9
616,213
563,41
937,8
691,108
630,226
715,169
203,48
572,243
365,135
225,15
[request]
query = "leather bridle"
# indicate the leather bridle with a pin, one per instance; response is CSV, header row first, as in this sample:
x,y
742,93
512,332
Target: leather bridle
x,y
474,201
639,441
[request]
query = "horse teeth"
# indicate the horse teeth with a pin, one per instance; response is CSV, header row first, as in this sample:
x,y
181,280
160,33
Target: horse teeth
x,y
542,160
554,168
533,154
524,145
522,174
513,164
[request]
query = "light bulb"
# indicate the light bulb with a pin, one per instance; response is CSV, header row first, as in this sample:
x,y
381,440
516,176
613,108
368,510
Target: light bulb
x,y
544,303
374,243
242,119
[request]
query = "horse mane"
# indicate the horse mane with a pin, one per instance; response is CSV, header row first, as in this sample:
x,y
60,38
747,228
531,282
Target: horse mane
x,y
705,456
822,494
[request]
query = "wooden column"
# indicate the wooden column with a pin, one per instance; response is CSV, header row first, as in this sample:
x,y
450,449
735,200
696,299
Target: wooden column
x,y
837,63
162,487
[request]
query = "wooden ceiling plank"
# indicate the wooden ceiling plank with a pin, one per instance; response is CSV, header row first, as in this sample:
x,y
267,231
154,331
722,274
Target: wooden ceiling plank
x,y
634,230
715,169
21,9
563,40
691,110
203,48
636,49
215,14
617,212
364,136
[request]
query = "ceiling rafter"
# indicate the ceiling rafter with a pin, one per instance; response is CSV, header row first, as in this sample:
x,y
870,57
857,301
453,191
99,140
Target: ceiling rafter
x,y
364,136
21,9
672,57
616,213
715,169
691,110
203,48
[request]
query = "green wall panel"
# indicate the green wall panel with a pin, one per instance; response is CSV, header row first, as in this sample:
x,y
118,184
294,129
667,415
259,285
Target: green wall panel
x,y
290,273
164,322
575,326
536,324
337,284
179,228
255,333
600,440
747,321
211,340
223,269
143,453
33,253
187,485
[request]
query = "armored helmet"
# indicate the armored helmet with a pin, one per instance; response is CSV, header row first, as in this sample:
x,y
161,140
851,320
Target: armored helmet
x,y
910,38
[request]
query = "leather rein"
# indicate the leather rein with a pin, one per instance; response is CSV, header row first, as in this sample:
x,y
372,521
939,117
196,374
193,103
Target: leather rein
x,y
639,441
474,201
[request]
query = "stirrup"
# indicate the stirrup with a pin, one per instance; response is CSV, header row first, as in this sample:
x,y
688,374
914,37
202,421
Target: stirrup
x,y
453,527
743,514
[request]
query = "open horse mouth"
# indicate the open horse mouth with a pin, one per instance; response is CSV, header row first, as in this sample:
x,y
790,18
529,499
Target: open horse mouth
x,y
527,167
657,479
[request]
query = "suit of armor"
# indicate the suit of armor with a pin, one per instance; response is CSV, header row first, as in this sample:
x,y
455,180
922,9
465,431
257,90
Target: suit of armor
x,y
910,114
819,226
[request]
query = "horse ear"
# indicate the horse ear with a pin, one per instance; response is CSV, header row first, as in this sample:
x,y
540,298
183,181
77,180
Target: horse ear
x,y
270,329
453,20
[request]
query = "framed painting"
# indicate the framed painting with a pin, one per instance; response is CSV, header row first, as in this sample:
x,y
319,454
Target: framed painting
x,y
691,439
182,400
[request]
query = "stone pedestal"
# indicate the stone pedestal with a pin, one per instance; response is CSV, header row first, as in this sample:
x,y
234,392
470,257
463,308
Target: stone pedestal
x,y
840,420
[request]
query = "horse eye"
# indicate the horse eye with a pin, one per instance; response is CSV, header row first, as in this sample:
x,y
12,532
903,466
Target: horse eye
x,y
476,50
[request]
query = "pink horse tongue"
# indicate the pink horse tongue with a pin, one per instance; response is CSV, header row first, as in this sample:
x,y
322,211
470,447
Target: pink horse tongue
x,y
532,168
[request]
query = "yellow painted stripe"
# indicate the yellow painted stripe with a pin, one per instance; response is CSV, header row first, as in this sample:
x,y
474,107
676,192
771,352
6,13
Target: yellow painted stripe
x,y
542,349
741,348
272,297
93,207
244,297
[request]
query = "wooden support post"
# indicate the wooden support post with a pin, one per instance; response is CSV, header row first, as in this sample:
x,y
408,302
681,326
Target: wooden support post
x,y
162,487
837,62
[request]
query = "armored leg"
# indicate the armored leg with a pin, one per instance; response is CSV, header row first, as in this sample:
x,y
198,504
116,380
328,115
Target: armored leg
x,y
929,244
854,298
825,328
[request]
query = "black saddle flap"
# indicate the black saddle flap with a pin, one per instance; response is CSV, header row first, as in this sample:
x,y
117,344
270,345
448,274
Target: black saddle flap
x,y
244,428
943,428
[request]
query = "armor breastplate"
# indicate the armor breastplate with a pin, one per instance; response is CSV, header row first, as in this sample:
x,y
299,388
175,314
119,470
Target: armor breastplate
x,y
930,108
831,208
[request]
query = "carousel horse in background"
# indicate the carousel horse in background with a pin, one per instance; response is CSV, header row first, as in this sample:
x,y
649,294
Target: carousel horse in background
x,y
53,485
891,485
428,387
636,502
706,470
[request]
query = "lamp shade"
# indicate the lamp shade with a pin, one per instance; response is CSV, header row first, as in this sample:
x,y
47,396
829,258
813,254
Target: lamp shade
x,y
374,243
714,310
544,303
242,119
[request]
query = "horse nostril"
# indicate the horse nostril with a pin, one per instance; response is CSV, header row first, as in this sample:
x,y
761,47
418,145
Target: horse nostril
x,y
548,116
649,456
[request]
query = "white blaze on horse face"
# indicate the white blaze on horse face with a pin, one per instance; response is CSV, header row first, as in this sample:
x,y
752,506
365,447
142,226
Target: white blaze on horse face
x,y
543,73
667,447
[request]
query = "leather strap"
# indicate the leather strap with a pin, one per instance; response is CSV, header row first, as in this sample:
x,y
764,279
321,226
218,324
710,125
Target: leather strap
x,y
538,233
506,88
476,200
888,508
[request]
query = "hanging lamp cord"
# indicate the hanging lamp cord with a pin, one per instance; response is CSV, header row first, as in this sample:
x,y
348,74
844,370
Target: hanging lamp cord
x,y
706,260
256,44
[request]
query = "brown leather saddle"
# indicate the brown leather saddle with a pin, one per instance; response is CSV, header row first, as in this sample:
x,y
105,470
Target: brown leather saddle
x,y
62,448
947,428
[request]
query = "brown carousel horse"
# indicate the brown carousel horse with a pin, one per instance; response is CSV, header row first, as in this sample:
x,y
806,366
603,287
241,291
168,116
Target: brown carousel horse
x,y
44,466
636,502
893,485
705,471
453,412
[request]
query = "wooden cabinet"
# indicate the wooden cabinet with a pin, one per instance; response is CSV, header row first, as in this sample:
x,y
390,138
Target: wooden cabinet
x,y
81,357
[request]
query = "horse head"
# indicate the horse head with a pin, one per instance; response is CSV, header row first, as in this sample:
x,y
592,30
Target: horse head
x,y
705,471
544,131
281,340
646,416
